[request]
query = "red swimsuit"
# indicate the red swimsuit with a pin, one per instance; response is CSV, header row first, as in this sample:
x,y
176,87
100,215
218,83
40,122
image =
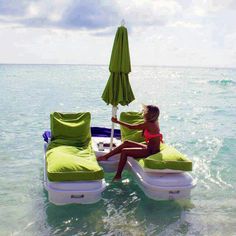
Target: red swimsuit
x,y
149,136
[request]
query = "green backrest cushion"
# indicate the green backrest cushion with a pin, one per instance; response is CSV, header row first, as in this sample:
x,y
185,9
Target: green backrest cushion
x,y
131,118
71,126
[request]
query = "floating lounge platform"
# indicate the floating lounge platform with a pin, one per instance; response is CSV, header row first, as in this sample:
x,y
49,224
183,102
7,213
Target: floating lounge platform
x,y
67,192
73,175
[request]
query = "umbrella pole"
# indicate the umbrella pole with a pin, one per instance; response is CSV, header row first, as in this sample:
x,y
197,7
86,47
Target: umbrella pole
x,y
114,114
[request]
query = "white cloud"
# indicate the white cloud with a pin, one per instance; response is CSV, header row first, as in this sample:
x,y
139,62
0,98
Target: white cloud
x,y
229,41
51,10
33,10
53,46
162,32
9,26
149,12
185,24
205,7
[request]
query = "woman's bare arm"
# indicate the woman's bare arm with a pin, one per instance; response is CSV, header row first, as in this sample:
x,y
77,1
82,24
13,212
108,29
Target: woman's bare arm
x,y
129,126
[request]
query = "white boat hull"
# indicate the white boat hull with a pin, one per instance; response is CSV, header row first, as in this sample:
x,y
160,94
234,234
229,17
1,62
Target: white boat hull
x,y
155,184
162,186
80,192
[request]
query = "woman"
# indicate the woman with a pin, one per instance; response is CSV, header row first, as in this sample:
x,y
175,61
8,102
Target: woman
x,y
151,132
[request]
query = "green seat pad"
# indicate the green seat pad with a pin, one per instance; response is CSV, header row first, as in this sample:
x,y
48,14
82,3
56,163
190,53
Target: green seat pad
x,y
129,134
167,158
69,155
71,126
70,163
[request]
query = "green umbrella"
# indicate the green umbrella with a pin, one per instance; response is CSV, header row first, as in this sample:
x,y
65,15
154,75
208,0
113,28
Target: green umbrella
x,y
118,89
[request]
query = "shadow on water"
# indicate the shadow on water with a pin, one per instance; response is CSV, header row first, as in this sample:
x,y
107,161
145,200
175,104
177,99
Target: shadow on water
x,y
123,210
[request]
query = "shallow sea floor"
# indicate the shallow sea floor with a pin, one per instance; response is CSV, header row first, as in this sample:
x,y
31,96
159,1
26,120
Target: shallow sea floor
x,y
197,116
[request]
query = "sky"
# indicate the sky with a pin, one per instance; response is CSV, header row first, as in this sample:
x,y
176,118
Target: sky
x,y
161,32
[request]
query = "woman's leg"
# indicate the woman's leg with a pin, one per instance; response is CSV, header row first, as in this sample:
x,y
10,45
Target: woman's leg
x,y
125,144
132,152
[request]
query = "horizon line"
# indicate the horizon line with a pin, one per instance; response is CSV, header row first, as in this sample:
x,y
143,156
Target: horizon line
x,y
80,64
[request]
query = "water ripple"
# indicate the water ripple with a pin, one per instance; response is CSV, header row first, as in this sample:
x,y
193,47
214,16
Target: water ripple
x,y
197,117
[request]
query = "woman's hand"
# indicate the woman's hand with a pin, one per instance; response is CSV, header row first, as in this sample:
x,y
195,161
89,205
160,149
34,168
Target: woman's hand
x,y
114,120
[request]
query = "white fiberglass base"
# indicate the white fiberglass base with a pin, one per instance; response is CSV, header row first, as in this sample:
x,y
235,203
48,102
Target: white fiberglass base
x,y
159,184
162,186
82,192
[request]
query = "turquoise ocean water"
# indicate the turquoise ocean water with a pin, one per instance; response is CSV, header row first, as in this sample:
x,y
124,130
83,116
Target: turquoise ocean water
x,y
198,116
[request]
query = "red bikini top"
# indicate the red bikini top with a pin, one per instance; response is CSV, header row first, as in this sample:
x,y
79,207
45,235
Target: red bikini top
x,y
149,136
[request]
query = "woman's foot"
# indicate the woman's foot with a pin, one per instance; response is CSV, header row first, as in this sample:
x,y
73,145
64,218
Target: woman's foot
x,y
102,158
116,178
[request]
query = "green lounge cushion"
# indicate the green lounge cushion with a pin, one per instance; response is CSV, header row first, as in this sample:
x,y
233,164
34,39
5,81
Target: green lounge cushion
x,y
71,126
167,158
70,163
69,155
131,118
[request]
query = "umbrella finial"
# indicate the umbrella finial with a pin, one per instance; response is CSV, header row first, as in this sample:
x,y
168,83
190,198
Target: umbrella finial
x,y
122,23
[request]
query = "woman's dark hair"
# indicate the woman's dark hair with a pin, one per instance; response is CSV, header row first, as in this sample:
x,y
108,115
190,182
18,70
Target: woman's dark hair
x,y
151,113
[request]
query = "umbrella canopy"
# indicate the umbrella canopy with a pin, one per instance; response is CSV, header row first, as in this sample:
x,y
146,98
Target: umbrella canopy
x,y
118,89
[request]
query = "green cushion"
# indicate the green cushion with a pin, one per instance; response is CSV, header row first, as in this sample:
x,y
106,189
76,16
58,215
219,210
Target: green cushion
x,y
167,158
71,126
70,163
69,155
131,118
